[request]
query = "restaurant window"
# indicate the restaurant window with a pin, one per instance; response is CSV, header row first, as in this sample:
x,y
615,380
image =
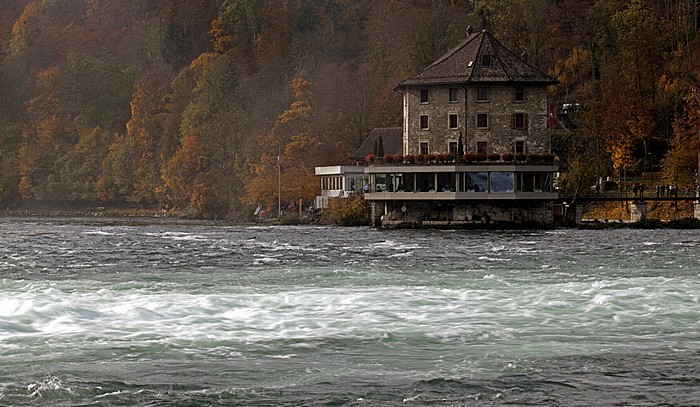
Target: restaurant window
x,y
407,181
501,182
424,124
425,182
380,182
424,96
453,121
476,181
482,147
519,146
543,182
482,121
447,182
519,120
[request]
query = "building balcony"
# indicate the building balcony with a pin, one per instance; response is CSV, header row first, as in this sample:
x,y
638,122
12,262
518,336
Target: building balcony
x,y
461,196
483,181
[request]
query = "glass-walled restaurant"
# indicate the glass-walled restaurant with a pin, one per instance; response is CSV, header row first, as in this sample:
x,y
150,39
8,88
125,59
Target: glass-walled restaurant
x,y
493,182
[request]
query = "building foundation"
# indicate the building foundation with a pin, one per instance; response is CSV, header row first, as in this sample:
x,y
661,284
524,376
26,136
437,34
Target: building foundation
x,y
638,211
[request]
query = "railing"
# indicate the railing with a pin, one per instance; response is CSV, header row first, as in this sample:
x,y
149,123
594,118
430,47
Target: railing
x,y
667,194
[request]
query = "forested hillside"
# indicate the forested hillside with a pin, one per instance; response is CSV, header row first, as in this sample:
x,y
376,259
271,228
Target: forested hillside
x,y
189,102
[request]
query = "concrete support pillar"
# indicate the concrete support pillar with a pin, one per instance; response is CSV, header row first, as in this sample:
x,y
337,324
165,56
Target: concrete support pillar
x,y
579,213
638,211
373,213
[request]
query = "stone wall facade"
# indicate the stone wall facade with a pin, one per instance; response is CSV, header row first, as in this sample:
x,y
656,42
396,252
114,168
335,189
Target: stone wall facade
x,y
421,214
496,101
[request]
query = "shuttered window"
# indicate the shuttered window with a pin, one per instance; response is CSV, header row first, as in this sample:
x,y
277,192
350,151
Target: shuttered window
x,y
519,121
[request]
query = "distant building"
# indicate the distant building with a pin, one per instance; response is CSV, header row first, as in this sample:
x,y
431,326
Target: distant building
x,y
342,181
475,143
392,141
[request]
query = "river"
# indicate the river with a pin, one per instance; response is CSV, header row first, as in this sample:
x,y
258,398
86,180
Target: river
x,y
164,312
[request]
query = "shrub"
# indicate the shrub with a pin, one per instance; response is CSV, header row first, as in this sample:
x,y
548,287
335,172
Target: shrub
x,y
494,157
388,158
507,157
420,158
398,158
548,158
409,159
521,157
535,158
685,223
369,158
354,211
468,157
479,157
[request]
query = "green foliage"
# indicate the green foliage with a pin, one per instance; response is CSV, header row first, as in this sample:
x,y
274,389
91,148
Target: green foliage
x,y
81,167
117,181
9,179
352,211
681,162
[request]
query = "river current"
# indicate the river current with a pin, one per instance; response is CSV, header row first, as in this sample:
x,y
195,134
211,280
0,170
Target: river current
x,y
163,312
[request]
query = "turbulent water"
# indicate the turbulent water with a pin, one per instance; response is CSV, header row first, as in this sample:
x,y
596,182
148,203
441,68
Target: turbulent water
x,y
111,312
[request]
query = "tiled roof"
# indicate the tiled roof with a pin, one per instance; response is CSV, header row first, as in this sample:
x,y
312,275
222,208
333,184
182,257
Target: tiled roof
x,y
463,64
392,139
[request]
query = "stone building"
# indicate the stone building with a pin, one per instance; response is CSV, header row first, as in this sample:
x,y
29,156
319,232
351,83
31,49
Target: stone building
x,y
481,90
476,143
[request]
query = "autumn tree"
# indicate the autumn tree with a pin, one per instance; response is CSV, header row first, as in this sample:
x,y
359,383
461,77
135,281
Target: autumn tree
x,y
150,142
74,98
204,173
81,166
295,165
680,165
118,168
640,40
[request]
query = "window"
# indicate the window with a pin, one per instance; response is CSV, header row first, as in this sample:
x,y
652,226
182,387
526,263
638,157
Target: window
x,y
519,120
453,122
453,95
424,96
482,121
446,181
482,94
482,147
486,60
423,147
452,148
519,146
408,181
425,182
519,94
476,181
534,182
501,181
424,125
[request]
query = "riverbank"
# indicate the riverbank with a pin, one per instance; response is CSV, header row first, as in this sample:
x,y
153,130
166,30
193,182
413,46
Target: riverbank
x,y
669,221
